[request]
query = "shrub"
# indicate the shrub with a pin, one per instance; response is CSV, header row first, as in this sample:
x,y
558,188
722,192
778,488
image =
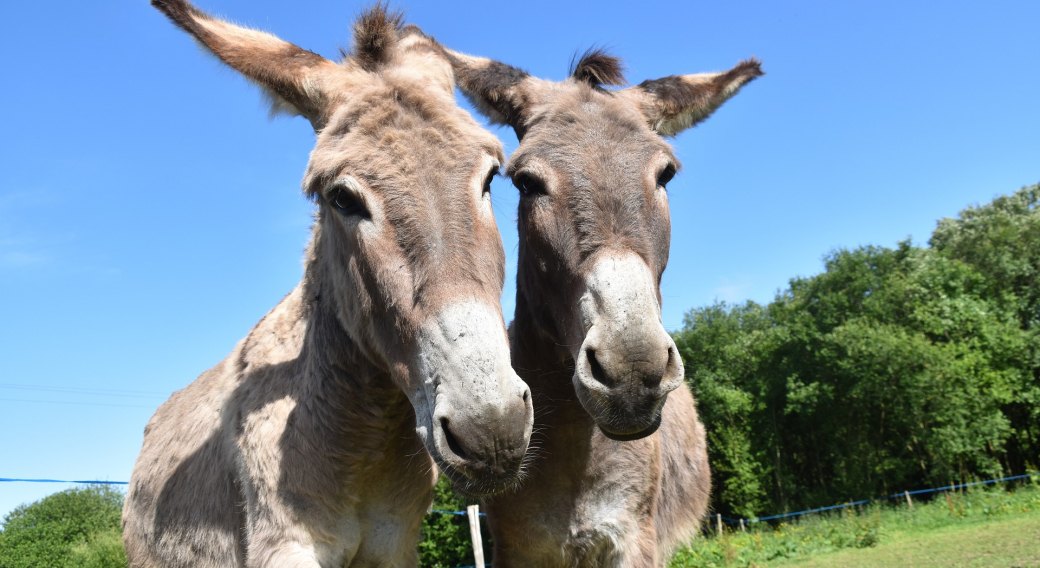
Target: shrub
x,y
76,528
446,542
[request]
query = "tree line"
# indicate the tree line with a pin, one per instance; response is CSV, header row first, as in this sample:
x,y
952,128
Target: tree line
x,y
894,368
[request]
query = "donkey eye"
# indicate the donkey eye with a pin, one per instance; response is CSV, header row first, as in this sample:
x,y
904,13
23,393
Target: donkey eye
x,y
487,181
666,175
528,185
348,204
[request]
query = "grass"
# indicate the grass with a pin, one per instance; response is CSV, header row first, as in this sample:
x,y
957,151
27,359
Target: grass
x,y
1008,542
981,527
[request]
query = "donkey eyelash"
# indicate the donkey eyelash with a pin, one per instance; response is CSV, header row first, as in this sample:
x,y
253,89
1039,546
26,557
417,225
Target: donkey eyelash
x,y
528,185
348,203
666,175
487,180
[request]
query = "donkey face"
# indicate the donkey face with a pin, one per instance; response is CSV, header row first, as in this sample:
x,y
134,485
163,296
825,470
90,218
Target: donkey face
x,y
405,238
593,219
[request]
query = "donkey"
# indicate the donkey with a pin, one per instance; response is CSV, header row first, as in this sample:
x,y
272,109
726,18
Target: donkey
x,y
591,168
316,442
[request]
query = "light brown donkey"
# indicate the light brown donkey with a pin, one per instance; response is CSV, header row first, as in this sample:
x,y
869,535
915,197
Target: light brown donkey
x,y
311,444
591,168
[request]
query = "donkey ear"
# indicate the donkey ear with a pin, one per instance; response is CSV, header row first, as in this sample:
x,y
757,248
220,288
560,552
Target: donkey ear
x,y
292,76
673,104
499,91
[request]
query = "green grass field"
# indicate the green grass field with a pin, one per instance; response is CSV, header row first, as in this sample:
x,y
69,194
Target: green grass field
x,y
1006,542
979,528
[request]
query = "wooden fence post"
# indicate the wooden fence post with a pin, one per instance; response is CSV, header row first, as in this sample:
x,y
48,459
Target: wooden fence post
x,y
718,523
909,503
741,525
473,512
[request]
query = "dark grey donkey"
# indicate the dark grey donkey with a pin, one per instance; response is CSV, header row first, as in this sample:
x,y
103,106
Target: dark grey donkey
x,y
591,168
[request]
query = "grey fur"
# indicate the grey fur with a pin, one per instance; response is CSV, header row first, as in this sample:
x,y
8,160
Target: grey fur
x,y
311,443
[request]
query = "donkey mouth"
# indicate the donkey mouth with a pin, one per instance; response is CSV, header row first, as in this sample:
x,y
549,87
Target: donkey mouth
x,y
478,469
619,415
479,486
630,436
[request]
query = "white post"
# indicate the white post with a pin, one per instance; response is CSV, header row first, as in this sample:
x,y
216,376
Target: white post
x,y
741,525
473,513
909,503
718,523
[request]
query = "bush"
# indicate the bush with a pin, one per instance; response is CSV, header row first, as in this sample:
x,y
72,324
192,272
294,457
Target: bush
x,y
445,538
102,550
76,528
81,528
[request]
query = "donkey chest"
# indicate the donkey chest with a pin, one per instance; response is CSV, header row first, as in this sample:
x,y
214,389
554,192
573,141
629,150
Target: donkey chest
x,y
371,538
358,481
584,523
388,500
592,506
603,524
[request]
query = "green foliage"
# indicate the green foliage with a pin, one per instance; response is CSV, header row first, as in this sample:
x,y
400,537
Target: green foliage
x,y
101,550
80,528
849,529
446,542
76,528
892,369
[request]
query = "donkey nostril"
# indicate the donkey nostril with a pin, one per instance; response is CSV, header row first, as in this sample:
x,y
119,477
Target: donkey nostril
x,y
596,369
449,438
673,359
669,373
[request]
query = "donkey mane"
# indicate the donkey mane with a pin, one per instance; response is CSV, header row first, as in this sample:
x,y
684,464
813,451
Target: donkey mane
x,y
375,33
597,67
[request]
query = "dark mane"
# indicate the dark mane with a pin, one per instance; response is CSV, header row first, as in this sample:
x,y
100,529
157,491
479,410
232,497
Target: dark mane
x,y
597,68
375,31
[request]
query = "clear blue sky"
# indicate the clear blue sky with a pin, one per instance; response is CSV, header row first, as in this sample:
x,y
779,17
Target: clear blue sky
x,y
150,214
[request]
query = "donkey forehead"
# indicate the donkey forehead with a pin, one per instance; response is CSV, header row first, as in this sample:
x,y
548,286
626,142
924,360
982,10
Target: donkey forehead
x,y
589,131
399,130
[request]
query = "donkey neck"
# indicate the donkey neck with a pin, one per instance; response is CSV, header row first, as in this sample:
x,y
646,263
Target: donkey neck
x,y
335,365
546,365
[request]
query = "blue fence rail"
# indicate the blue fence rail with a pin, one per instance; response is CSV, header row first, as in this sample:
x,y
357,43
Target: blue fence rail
x,y
97,482
900,495
64,481
725,519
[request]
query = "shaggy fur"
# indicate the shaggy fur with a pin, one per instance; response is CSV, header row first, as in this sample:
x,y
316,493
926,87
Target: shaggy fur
x,y
375,34
594,158
597,68
310,444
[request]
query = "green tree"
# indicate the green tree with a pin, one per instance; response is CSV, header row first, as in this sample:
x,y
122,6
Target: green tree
x,y
894,368
722,345
1001,240
76,528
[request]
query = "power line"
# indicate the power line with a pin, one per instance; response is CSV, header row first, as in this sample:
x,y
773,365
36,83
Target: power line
x,y
78,403
64,481
90,391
